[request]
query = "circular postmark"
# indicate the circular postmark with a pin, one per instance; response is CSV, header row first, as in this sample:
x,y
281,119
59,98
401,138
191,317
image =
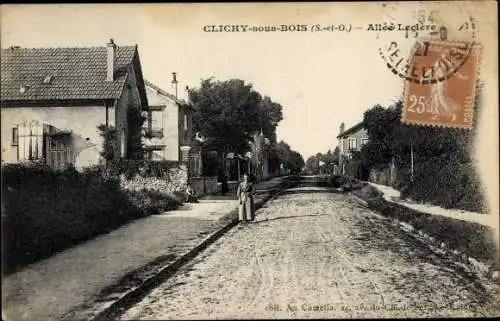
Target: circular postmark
x,y
420,46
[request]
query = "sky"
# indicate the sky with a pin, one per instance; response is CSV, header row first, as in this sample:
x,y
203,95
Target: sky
x,y
320,79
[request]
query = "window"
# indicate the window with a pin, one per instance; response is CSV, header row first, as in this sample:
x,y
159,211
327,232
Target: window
x,y
352,143
156,119
364,141
156,122
15,136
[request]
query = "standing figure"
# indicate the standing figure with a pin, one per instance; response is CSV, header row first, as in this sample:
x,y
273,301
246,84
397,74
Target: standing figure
x,y
223,180
245,195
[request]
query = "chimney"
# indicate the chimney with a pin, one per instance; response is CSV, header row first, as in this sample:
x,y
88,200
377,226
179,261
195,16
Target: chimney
x,y
174,82
342,127
110,61
187,94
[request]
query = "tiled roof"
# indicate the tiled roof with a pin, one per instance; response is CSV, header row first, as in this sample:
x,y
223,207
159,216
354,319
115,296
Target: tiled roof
x,y
351,130
77,73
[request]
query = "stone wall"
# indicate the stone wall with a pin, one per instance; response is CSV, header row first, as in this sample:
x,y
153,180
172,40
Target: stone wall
x,y
174,181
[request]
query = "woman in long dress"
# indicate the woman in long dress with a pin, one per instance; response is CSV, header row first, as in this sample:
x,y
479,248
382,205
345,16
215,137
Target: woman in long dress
x,y
442,104
245,195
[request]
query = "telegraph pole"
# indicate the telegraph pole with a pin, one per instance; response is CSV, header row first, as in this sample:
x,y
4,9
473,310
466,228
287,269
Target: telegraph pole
x,y
411,155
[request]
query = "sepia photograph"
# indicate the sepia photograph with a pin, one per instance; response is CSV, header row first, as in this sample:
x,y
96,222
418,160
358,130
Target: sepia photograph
x,y
281,160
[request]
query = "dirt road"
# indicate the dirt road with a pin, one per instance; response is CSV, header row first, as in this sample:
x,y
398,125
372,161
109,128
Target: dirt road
x,y
315,254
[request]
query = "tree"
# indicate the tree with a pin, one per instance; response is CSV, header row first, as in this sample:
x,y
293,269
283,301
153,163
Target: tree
x,y
227,113
443,170
390,139
291,160
270,115
110,147
330,159
135,146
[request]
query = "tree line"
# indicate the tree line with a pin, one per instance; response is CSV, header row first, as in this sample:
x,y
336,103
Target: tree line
x,y
229,113
322,163
443,172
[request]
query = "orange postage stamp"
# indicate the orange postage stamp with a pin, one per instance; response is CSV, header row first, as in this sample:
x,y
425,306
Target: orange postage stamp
x,y
441,84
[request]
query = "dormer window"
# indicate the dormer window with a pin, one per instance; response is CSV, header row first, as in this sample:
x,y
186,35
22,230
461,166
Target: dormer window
x,y
47,79
23,88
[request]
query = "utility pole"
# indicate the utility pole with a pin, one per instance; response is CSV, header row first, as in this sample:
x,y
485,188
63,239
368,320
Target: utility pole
x,y
411,155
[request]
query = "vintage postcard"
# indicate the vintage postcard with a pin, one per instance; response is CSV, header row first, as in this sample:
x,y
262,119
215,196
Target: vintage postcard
x,y
250,160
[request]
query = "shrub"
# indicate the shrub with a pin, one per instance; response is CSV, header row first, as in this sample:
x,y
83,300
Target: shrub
x,y
154,202
45,211
368,192
446,182
142,167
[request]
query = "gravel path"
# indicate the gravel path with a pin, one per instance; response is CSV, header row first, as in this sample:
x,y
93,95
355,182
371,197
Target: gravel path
x,y
393,195
313,254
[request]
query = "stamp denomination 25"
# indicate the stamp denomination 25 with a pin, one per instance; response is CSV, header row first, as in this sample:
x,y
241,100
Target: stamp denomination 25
x,y
437,58
443,96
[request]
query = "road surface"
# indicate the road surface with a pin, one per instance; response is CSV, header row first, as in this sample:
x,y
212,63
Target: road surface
x,y
313,253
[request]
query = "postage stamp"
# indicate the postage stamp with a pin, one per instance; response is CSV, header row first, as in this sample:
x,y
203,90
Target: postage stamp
x,y
438,60
441,84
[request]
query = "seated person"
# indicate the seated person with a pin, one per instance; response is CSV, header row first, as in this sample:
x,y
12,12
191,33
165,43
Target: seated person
x,y
191,196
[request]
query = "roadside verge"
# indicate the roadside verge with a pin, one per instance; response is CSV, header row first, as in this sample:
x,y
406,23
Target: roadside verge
x,y
469,239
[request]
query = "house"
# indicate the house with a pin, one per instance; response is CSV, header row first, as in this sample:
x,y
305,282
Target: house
x,y
169,128
351,139
53,100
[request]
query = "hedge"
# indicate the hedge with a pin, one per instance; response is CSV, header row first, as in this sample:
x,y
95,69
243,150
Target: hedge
x,y
444,182
145,168
45,211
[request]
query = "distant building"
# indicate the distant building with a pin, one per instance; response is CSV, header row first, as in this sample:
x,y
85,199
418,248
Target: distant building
x,y
53,100
351,139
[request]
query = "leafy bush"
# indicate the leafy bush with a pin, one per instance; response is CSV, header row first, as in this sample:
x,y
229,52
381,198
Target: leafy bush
x,y
336,181
142,167
368,192
153,202
45,211
448,183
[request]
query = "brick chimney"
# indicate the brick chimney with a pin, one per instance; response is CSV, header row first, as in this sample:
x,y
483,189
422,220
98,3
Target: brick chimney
x,y
174,82
110,60
342,128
